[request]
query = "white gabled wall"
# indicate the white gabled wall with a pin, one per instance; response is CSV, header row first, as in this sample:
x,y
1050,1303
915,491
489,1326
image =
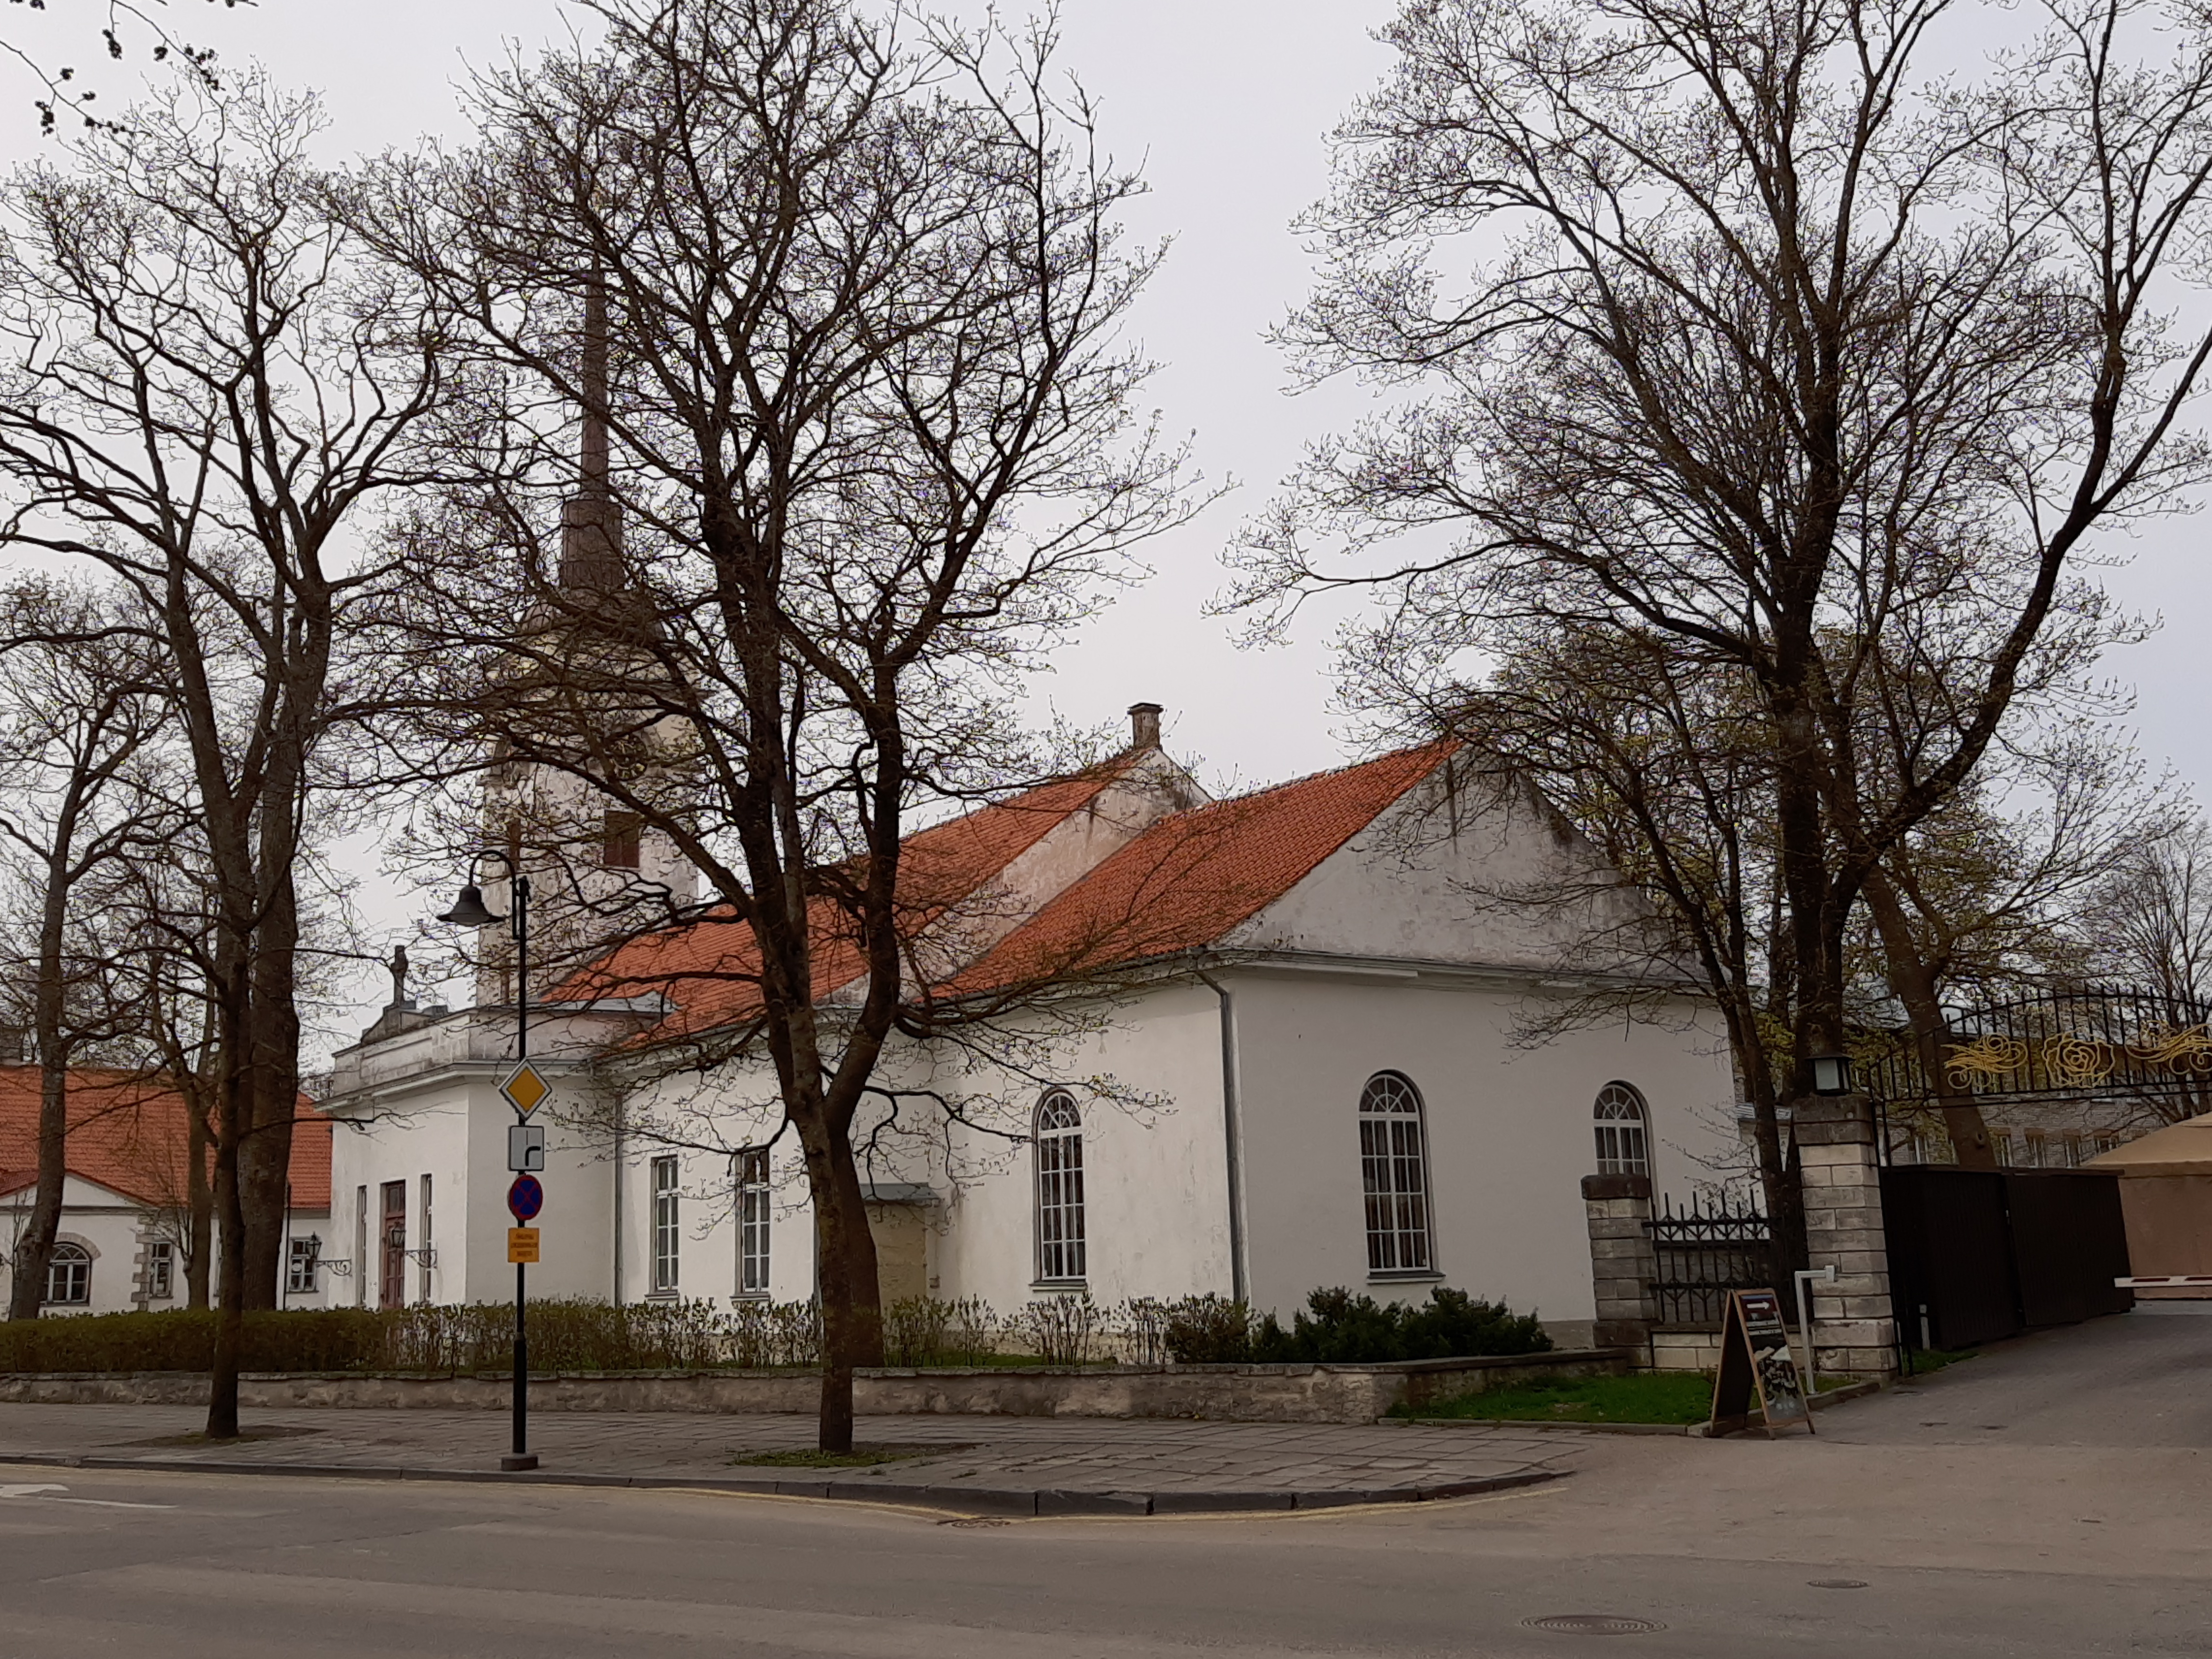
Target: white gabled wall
x,y
1510,1132
1424,883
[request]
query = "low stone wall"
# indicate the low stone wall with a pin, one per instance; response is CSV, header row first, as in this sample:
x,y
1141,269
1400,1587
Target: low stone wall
x,y
1685,1348
1246,1394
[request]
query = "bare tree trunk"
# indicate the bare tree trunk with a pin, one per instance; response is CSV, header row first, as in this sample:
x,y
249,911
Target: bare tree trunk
x,y
1914,981
230,1315
36,1248
264,1153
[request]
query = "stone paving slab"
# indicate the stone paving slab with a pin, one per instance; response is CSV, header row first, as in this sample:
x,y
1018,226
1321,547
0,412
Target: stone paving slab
x,y
987,1465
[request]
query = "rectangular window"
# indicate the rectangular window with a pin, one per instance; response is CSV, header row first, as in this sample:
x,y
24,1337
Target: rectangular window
x,y
2035,1159
618,844
429,1257
161,1269
69,1276
361,1247
300,1265
665,1224
752,1222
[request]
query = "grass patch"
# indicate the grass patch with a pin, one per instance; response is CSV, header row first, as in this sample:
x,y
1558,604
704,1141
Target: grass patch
x,y
861,1457
1642,1397
1665,1397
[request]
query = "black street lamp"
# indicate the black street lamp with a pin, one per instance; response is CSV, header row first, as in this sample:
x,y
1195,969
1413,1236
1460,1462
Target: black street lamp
x,y
470,910
1831,1074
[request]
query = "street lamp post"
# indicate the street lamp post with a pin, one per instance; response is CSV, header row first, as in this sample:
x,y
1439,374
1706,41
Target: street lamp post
x,y
470,910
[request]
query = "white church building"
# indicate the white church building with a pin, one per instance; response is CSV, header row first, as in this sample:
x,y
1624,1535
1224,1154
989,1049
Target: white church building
x,y
1300,1049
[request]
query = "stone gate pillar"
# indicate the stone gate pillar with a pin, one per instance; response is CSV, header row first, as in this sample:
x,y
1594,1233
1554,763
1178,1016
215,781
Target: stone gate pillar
x,y
1623,1264
1855,1324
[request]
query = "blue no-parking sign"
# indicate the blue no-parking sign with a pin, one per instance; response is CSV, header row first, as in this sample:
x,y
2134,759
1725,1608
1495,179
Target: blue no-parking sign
x,y
525,1198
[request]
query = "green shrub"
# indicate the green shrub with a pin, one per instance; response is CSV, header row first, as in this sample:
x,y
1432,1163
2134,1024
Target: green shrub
x,y
325,1340
1342,1328
576,1335
1209,1330
565,1335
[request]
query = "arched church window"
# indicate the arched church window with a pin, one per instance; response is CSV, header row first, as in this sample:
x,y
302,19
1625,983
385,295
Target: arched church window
x,y
1061,1245
1624,1147
1394,1169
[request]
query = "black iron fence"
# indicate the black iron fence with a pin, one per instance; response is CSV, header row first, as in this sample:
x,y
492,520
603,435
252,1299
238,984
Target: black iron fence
x,y
1717,1244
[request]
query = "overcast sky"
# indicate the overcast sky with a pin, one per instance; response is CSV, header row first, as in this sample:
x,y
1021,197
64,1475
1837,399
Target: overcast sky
x,y
1227,104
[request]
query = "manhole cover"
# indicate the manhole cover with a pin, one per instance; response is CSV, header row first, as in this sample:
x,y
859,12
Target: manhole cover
x,y
1594,1623
1837,1583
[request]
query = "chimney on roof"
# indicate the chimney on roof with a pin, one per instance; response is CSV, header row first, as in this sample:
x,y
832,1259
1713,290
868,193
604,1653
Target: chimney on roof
x,y
1145,725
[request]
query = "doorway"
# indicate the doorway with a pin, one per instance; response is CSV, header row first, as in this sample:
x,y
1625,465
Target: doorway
x,y
392,1280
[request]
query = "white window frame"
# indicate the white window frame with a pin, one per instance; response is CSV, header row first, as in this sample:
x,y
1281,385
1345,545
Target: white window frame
x,y
428,1259
161,1269
1393,1176
754,1197
74,1263
1623,1126
667,1222
1063,1244
301,1254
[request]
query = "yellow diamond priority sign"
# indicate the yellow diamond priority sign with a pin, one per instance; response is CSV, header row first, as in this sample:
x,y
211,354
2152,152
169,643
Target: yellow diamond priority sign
x,y
525,1089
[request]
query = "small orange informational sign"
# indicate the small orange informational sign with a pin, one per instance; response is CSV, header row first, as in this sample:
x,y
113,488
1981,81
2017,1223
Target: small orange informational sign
x,y
522,1246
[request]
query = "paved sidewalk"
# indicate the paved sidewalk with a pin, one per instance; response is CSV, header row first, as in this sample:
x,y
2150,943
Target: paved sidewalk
x,y
988,1464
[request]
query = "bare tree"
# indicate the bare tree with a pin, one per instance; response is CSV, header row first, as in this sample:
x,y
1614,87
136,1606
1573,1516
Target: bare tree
x,y
868,452
80,704
205,390
2149,925
122,27
1794,358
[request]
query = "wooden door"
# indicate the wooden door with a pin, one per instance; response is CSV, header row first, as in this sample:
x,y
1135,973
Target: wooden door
x,y
392,1280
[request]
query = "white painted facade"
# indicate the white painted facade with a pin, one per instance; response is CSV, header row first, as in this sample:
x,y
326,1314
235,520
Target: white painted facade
x,y
1236,1070
123,1238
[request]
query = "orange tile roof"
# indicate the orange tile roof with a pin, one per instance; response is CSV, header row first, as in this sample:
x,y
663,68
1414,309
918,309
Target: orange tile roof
x,y
1192,878
129,1135
711,968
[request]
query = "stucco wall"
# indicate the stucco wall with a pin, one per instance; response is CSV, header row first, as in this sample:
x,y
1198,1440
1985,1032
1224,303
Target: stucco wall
x,y
1509,1130
1155,1175
454,1130
114,1229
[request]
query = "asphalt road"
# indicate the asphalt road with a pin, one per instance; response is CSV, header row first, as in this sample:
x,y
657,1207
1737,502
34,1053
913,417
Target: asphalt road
x,y
181,1566
2052,1497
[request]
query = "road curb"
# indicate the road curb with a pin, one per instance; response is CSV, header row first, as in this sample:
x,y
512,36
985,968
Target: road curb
x,y
964,1500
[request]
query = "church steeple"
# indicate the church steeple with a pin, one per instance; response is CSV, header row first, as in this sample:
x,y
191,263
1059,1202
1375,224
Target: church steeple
x,y
591,521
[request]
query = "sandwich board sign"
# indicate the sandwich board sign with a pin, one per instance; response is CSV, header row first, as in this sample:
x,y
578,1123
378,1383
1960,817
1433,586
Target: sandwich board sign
x,y
1755,1362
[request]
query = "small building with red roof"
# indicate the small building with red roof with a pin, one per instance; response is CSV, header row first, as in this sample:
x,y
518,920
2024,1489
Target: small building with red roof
x,y
1330,1033
126,1236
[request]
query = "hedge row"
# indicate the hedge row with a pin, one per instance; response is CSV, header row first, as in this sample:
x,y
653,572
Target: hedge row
x,y
574,1335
